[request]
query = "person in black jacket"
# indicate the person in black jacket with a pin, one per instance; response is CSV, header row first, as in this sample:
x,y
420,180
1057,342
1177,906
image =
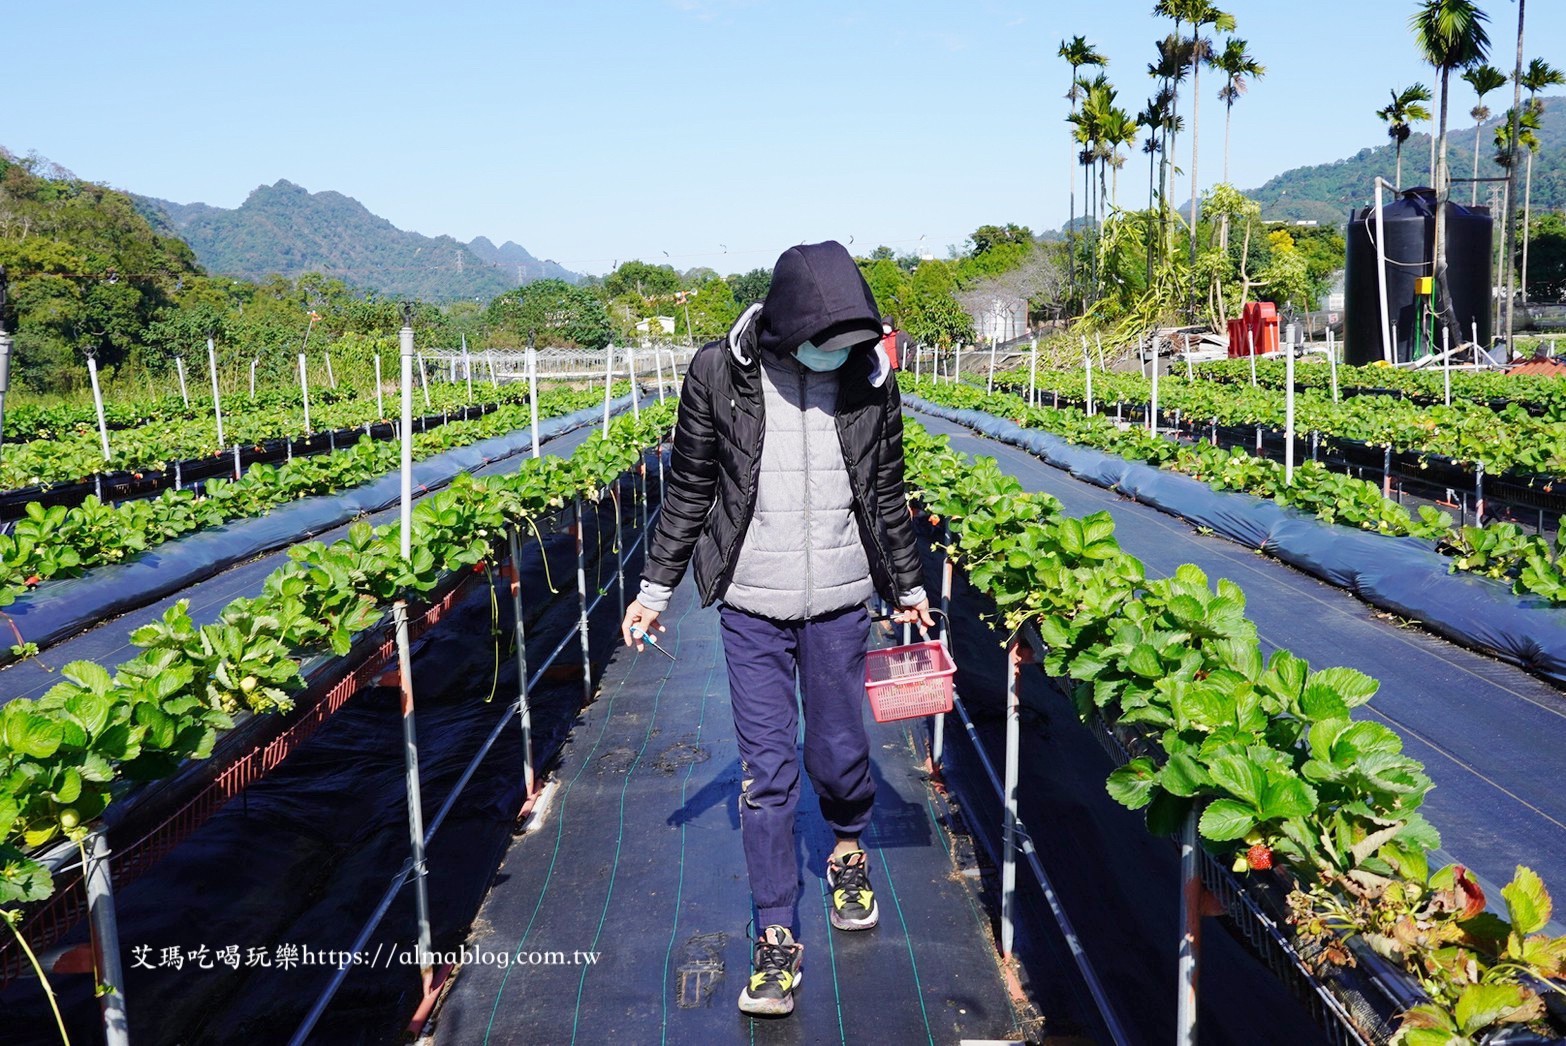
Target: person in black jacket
x,y
786,494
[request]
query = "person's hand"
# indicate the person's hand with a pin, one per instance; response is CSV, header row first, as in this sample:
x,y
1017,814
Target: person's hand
x,y
640,618
919,614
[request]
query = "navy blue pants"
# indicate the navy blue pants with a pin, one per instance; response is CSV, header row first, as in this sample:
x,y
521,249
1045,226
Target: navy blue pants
x,y
826,657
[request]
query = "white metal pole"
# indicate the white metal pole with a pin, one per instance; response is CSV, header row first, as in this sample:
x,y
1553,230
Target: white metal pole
x,y
918,362
331,376
105,938
494,380
253,361
608,382
532,393
1033,373
304,392
1332,364
658,367
1009,824
1250,336
630,368
1446,363
1099,340
467,367
957,365
405,338
97,402
217,407
524,714
1288,408
380,393
994,345
1087,374
424,382
581,591
1381,276
1190,934
184,393
1152,405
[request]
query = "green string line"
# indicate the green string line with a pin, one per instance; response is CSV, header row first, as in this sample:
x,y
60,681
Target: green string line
x,y
918,987
837,995
679,888
614,867
979,919
565,795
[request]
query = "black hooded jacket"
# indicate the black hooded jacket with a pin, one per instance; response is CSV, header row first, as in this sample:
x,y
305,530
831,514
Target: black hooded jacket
x,y
817,293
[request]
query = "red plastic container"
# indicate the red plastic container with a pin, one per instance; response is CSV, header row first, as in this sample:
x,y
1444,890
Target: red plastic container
x,y
907,682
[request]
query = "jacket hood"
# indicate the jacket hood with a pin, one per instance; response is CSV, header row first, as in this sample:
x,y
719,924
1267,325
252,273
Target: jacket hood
x,y
817,295
742,346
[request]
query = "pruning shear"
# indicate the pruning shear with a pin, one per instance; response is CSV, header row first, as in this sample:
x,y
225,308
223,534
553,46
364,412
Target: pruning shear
x,y
637,633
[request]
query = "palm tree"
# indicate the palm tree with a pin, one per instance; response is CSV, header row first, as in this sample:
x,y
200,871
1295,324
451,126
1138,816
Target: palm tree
x,y
1173,60
1511,172
1483,79
1525,127
1237,65
1449,35
1153,117
1077,52
1539,75
1407,106
1119,130
1201,13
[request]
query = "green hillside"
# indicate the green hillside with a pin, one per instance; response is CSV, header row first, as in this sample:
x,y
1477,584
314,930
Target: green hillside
x,y
85,271
1326,192
284,229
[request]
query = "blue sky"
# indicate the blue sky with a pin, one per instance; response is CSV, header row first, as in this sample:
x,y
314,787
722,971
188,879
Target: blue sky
x,y
701,132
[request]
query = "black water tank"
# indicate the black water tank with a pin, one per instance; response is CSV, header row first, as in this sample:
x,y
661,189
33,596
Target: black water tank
x,y
1410,233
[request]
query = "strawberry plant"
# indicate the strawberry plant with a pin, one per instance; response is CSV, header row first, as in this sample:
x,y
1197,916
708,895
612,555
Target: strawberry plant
x,y
63,757
1264,751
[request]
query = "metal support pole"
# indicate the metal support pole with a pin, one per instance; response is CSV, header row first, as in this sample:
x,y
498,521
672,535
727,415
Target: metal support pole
x,y
217,407
1087,373
331,376
304,392
1386,471
1381,274
1332,365
380,395
1446,364
938,737
581,591
1479,494
619,550
410,752
1152,403
1288,409
630,370
994,345
97,402
524,714
1033,372
1190,933
424,382
1250,336
532,394
658,369
184,392
608,383
253,361
1009,825
105,938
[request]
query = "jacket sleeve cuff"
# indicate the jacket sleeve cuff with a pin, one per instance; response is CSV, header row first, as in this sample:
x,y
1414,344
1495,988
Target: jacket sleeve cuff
x,y
655,597
904,599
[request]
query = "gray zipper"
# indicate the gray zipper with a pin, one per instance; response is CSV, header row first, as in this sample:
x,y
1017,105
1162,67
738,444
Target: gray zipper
x,y
804,430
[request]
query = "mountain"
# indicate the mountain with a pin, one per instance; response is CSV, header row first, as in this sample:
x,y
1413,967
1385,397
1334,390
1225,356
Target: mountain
x,y
514,258
1326,192
288,230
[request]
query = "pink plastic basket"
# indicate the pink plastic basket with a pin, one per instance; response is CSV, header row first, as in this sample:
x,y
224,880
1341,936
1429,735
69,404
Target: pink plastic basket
x,y
906,682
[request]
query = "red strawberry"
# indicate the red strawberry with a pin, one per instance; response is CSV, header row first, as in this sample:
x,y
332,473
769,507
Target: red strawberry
x,y
1259,857
33,581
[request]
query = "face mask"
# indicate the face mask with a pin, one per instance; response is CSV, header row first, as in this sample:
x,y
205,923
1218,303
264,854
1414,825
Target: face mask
x,y
816,359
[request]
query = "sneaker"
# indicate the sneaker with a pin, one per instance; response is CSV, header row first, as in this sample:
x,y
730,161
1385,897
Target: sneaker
x,y
778,973
853,902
